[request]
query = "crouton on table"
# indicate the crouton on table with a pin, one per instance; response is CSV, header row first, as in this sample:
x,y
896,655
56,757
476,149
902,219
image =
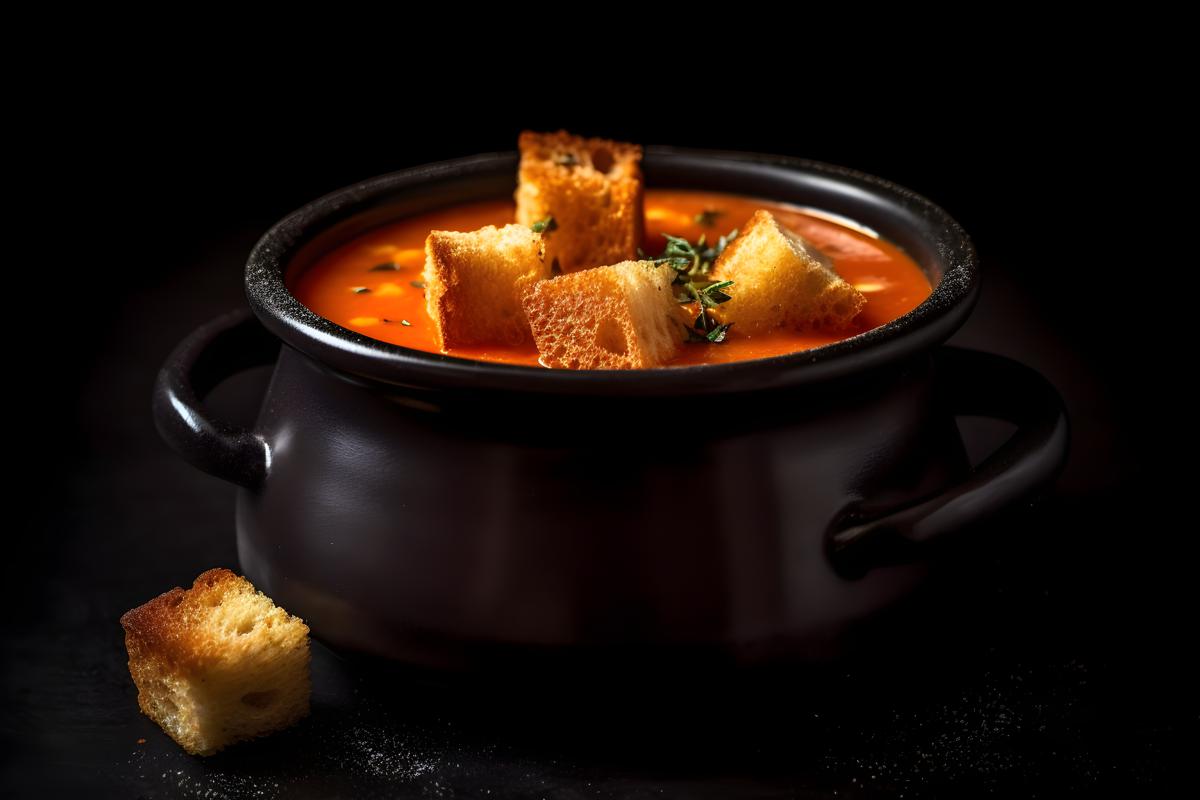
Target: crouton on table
x,y
782,280
593,190
623,316
474,282
218,663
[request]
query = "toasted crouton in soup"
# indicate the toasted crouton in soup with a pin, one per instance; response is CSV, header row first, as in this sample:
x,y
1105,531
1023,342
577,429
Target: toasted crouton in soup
x,y
591,188
218,663
623,316
474,282
782,280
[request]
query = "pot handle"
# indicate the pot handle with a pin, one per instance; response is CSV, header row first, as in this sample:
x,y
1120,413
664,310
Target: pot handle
x,y
213,352
977,384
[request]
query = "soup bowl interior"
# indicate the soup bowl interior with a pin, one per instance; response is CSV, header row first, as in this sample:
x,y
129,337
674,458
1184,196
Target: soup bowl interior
x,y
932,238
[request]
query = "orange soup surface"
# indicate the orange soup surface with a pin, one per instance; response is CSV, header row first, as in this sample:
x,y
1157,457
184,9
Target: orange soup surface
x,y
373,284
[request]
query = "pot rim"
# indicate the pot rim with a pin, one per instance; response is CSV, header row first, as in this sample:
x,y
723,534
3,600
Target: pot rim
x,y
382,363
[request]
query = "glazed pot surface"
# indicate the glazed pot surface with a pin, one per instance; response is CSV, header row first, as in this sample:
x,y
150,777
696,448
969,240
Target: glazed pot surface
x,y
463,514
600,529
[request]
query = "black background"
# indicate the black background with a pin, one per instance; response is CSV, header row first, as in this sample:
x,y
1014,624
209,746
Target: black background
x,y
1053,654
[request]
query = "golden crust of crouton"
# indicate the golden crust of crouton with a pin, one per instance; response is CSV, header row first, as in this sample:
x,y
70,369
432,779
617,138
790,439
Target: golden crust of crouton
x,y
474,282
623,316
782,280
593,189
218,663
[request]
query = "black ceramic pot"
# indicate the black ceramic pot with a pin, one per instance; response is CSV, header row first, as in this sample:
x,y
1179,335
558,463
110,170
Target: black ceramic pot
x,y
453,513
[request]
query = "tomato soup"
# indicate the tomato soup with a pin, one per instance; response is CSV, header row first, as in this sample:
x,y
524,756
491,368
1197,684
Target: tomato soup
x,y
373,284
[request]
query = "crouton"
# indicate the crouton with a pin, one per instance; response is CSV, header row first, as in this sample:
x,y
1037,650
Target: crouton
x,y
623,316
218,663
593,190
474,282
782,280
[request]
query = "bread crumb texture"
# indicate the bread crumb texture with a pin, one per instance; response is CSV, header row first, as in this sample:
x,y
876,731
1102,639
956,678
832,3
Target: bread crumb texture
x,y
218,663
623,316
474,282
593,189
782,280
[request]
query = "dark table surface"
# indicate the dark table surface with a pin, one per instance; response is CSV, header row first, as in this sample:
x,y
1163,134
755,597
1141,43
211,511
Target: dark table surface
x,y
1050,656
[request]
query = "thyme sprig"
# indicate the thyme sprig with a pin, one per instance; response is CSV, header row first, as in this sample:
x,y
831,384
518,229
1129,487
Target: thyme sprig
x,y
544,225
715,336
706,296
692,262
693,259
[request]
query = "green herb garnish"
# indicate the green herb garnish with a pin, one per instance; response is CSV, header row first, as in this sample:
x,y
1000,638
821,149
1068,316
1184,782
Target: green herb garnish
x,y
715,336
691,263
718,334
544,225
708,217
712,296
680,255
390,266
708,296
361,290
692,260
712,253
566,159
418,284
